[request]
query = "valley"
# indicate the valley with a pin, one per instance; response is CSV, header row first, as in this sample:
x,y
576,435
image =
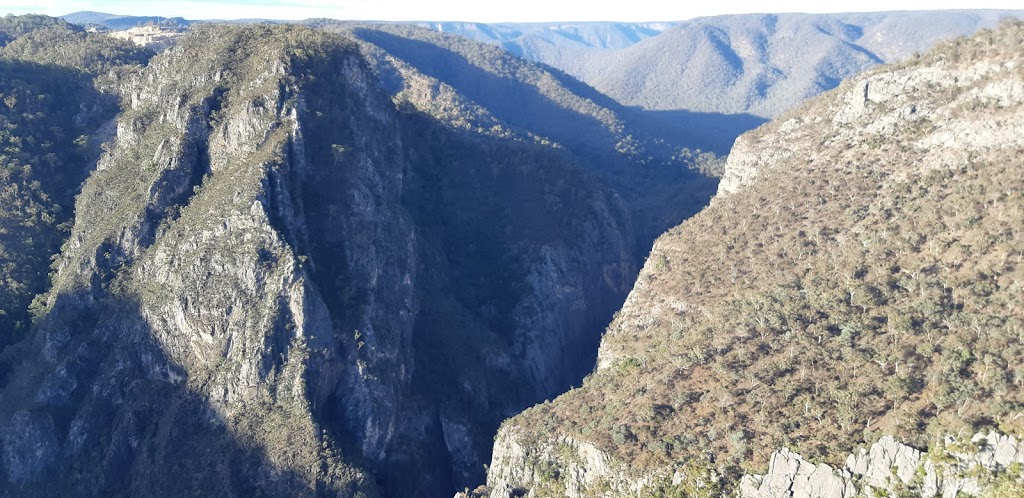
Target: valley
x,y
338,258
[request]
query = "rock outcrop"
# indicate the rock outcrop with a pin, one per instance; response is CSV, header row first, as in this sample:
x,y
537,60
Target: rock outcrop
x,y
282,279
578,469
871,108
187,294
890,467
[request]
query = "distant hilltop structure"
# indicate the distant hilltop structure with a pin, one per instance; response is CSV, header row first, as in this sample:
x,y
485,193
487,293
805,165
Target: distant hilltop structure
x,y
150,35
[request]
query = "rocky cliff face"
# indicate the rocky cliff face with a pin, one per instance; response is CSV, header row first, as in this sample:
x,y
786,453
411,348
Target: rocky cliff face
x,y
281,282
189,285
955,469
543,252
824,302
986,462
902,100
559,467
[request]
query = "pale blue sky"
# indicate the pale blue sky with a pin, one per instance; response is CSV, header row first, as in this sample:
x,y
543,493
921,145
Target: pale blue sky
x,y
477,10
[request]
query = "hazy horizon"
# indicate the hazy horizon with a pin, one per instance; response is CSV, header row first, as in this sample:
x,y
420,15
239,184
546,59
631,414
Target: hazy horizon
x,y
463,10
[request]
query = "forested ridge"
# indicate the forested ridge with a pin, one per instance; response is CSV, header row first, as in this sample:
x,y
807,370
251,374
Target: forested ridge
x,y
52,101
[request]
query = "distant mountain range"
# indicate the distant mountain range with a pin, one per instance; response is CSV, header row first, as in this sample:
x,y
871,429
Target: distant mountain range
x,y
119,22
763,64
519,37
556,44
714,77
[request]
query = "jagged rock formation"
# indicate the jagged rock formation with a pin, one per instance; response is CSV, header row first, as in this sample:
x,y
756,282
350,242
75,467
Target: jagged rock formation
x,y
887,468
185,312
561,467
284,279
855,279
891,467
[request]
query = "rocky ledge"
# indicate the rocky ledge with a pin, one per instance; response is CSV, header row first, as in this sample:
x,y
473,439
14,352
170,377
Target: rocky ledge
x,y
890,467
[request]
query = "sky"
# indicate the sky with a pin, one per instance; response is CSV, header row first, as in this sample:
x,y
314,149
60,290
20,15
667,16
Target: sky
x,y
478,10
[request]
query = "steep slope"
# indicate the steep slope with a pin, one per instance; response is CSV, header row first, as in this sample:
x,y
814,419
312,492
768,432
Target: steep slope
x,y
858,277
522,260
530,263
184,334
51,101
281,282
763,64
471,86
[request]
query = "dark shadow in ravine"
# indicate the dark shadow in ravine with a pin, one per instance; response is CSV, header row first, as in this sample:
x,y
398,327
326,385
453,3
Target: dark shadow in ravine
x,y
94,407
507,98
659,191
710,131
45,109
489,213
496,217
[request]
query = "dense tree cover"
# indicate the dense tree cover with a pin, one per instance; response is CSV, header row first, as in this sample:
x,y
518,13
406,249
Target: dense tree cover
x,y
847,293
49,106
12,26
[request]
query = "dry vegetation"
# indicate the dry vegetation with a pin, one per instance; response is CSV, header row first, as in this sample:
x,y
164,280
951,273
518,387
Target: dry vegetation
x,y
849,293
